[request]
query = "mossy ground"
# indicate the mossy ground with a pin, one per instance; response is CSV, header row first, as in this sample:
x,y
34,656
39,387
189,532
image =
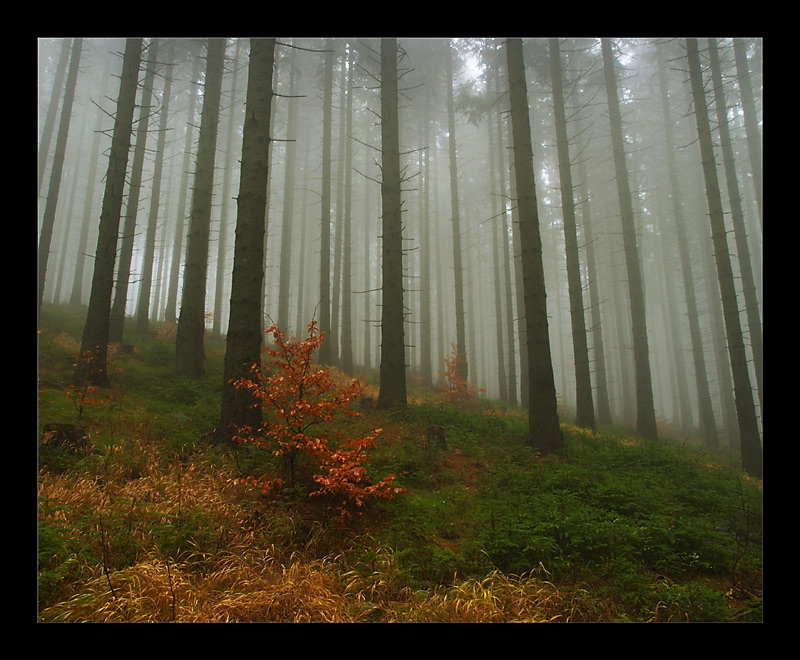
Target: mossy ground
x,y
149,526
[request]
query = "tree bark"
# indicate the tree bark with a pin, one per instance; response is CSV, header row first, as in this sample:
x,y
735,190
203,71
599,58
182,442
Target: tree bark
x,y
326,350
48,221
94,341
392,392
705,409
645,409
284,277
498,248
544,430
146,283
745,407
52,110
598,341
244,338
426,248
189,348
171,307
458,268
739,229
347,283
750,122
224,214
508,255
76,298
583,380
122,283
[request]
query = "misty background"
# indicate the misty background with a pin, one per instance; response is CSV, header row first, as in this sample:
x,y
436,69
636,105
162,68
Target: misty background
x,y
663,159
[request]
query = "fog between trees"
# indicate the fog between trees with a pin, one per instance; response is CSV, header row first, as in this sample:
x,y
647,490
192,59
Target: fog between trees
x,y
648,211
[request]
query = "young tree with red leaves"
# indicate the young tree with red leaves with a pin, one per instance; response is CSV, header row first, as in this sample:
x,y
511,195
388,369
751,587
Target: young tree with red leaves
x,y
457,390
297,396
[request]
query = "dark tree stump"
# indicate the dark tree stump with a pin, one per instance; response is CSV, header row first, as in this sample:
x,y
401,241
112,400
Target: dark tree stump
x,y
67,436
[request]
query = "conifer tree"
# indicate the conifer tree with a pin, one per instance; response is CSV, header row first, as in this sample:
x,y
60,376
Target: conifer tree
x,y
745,406
244,337
189,348
544,430
94,343
393,362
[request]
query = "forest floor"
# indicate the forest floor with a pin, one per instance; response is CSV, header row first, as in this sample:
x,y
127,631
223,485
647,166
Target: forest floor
x,y
149,522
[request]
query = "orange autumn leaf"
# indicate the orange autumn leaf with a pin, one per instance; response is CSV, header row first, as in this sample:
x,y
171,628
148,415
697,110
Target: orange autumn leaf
x,y
300,395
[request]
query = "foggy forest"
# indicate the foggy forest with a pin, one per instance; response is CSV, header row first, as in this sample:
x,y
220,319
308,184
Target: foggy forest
x,y
578,221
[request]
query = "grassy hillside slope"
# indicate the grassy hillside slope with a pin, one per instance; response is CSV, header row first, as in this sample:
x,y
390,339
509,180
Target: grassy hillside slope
x,y
145,521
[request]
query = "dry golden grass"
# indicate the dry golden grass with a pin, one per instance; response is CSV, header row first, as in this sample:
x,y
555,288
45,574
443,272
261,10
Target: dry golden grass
x,y
244,578
251,586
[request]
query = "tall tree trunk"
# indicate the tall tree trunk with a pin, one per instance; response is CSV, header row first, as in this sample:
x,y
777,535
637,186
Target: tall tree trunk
x,y
132,209
458,269
580,346
189,348
347,284
522,331
224,214
76,298
645,409
426,248
598,342
326,350
240,408
146,282
302,319
393,362
368,320
705,409
171,308
750,121
335,337
498,247
48,221
52,110
508,254
739,228
94,342
284,276
745,407
68,228
544,429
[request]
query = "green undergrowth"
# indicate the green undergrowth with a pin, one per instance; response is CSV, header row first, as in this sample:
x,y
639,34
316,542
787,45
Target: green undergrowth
x,y
645,531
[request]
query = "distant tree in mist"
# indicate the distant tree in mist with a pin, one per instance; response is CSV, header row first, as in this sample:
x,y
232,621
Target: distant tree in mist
x,y
455,215
146,281
645,408
127,238
584,401
745,406
48,221
285,280
94,342
404,229
703,394
189,346
326,350
750,122
178,242
749,289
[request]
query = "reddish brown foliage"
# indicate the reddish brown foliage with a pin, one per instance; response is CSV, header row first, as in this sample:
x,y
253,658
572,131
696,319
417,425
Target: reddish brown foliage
x,y
297,396
457,391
